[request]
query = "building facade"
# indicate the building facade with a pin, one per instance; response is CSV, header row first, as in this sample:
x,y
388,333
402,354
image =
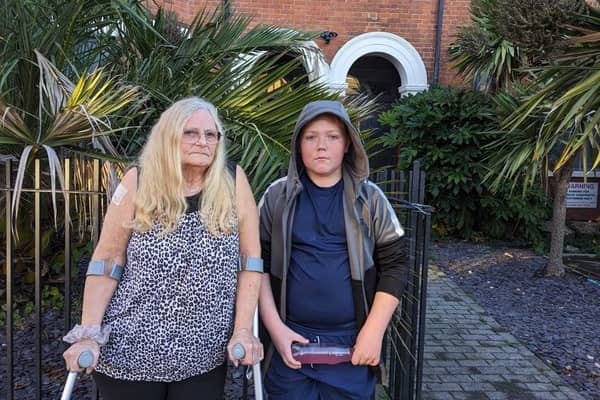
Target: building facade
x,y
389,47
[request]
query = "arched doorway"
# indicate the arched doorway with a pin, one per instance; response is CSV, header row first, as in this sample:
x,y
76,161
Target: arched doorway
x,y
403,56
375,75
378,63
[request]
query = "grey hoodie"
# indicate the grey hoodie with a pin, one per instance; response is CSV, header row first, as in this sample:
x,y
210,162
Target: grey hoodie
x,y
355,162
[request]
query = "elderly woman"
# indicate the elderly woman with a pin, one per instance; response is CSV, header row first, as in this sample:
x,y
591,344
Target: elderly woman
x,y
182,228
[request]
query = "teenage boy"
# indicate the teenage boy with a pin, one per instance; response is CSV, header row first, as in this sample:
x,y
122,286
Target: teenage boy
x,y
334,260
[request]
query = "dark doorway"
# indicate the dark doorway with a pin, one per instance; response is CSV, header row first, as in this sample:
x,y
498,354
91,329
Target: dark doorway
x,y
374,75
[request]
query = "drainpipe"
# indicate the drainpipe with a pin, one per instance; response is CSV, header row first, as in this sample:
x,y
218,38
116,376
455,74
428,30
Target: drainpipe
x,y
438,43
227,8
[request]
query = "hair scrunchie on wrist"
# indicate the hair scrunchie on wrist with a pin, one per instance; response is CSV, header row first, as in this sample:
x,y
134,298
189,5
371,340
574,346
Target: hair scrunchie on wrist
x,y
98,333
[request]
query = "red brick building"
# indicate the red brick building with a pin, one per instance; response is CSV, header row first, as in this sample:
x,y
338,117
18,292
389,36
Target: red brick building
x,y
387,45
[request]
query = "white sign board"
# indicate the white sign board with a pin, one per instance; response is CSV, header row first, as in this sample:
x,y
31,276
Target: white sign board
x,y
582,195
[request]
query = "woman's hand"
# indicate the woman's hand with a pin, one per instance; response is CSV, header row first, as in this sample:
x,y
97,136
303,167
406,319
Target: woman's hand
x,y
282,338
71,355
253,348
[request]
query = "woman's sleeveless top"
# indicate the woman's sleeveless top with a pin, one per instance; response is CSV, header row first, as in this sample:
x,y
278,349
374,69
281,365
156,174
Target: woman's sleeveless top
x,y
172,313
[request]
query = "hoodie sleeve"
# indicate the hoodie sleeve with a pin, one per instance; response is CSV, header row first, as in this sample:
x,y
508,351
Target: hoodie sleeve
x,y
265,228
391,253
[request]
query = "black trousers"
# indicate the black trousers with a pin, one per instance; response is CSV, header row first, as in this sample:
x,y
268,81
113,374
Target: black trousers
x,y
207,386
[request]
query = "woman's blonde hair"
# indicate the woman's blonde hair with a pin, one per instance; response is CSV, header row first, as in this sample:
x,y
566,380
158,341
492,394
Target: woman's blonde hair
x,y
160,195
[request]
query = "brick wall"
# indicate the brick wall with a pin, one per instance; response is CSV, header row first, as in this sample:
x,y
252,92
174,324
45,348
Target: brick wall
x,y
413,20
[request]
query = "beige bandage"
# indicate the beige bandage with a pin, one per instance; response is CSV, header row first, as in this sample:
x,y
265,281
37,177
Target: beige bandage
x,y
118,195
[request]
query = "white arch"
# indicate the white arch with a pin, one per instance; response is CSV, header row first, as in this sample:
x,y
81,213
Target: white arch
x,y
393,48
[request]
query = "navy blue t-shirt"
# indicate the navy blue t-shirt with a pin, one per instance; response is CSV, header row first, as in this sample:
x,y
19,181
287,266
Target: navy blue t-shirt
x,y
319,288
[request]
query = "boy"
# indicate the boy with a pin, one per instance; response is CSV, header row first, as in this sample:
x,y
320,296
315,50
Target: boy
x,y
334,260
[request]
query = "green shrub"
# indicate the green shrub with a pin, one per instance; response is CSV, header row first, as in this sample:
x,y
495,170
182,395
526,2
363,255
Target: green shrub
x,y
446,129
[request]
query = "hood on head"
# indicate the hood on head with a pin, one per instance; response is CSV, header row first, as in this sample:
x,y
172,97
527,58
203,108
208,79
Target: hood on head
x,y
355,161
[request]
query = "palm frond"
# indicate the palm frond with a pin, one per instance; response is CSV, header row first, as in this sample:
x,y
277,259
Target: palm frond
x,y
69,116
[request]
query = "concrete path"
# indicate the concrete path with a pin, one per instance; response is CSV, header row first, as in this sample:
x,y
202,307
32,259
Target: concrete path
x,y
469,356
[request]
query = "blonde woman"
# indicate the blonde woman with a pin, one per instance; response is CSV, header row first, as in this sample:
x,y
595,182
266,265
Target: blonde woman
x,y
166,276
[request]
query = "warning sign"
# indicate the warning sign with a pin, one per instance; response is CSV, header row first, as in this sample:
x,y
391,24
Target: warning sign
x,y
582,195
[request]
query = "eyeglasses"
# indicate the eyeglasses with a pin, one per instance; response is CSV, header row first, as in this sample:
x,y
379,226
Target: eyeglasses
x,y
192,137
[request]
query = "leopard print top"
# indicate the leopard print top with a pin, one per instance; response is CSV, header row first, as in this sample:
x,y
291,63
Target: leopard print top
x,y
172,313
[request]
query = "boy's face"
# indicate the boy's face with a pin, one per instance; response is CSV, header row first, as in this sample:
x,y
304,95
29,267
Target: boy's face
x,y
322,147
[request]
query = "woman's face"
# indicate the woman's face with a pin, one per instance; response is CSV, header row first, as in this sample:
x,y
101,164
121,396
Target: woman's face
x,y
199,140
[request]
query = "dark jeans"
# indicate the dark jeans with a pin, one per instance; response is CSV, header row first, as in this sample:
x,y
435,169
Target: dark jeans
x,y
207,386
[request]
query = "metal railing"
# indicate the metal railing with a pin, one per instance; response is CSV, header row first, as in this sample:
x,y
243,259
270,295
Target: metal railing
x,y
402,353
19,374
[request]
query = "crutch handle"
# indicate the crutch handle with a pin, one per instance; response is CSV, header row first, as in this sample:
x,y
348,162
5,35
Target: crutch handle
x,y
84,360
238,351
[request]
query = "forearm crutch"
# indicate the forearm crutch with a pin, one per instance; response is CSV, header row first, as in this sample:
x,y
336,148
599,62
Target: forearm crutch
x,y
239,352
84,360
258,387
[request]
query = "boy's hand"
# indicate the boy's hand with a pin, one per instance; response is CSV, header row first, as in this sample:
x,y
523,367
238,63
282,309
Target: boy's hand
x,y
283,338
367,350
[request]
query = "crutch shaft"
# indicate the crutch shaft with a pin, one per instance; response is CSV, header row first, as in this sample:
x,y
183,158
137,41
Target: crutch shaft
x,y
84,360
71,378
258,387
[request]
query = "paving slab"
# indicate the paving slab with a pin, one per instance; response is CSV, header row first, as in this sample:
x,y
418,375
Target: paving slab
x,y
468,355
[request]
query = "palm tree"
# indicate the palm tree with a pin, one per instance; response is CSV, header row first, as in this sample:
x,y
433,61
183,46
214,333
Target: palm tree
x,y
556,124
48,45
245,71
52,97
482,55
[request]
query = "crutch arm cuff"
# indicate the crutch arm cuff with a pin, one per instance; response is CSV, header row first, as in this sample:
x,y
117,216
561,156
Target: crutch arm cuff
x,y
98,268
254,264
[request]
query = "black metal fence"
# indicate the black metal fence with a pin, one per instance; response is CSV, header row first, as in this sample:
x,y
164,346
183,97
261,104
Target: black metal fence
x,y
402,352
25,375
29,371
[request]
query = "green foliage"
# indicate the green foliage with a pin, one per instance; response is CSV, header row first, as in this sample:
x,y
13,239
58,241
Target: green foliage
x,y
507,36
482,55
447,130
563,102
552,120
243,69
90,79
93,77
536,26
53,97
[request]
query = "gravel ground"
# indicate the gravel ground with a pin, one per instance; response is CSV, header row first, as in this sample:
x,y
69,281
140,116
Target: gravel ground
x,y
558,319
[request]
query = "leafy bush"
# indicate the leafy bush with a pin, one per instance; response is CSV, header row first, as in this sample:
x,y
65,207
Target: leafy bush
x,y
446,129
